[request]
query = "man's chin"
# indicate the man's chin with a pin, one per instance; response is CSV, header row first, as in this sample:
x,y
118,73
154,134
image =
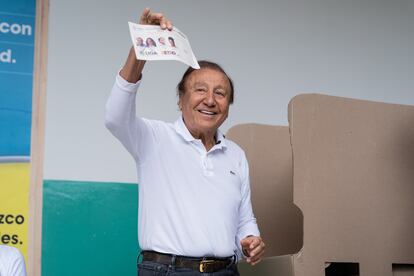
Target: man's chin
x,y
208,127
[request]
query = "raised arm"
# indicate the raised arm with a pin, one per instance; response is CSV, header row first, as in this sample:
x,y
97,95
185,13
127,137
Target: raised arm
x,y
120,116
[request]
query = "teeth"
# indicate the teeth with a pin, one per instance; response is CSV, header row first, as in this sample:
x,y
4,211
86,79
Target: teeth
x,y
207,112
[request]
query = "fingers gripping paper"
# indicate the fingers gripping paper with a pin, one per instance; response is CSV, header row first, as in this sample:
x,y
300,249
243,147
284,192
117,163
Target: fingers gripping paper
x,y
152,43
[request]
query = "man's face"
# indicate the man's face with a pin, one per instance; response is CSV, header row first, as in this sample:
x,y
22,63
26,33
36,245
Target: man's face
x,y
205,102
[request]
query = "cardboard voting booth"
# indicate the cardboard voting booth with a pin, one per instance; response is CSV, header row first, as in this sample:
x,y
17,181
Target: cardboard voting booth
x,y
270,164
353,180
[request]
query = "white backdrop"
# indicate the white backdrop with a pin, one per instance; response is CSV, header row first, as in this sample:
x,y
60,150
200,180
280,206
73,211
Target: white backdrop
x,y
272,49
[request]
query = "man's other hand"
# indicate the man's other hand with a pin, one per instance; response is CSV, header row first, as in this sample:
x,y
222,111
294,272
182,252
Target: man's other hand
x,y
253,248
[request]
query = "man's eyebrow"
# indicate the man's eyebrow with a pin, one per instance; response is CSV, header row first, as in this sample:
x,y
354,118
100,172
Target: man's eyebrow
x,y
200,83
221,87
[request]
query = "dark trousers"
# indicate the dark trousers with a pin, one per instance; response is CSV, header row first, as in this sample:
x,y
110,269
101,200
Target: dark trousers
x,y
147,268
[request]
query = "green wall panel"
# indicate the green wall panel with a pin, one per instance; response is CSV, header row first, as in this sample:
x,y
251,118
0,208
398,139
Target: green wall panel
x,y
89,228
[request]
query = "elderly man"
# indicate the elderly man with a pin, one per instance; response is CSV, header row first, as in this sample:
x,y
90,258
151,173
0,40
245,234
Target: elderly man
x,y
195,214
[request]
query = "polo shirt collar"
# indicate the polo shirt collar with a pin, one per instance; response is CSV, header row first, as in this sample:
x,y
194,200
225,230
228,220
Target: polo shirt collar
x,y
183,131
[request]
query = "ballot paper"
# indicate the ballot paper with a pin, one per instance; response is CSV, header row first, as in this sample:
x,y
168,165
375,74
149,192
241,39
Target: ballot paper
x,y
152,43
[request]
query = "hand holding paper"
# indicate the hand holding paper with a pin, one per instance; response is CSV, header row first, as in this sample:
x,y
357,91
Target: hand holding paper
x,y
155,38
148,18
153,43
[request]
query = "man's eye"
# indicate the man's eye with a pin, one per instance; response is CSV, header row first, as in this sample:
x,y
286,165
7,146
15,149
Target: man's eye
x,y
200,89
220,93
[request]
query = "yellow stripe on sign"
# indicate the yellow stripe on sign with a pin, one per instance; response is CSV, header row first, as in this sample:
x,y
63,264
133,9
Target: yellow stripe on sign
x,y
14,205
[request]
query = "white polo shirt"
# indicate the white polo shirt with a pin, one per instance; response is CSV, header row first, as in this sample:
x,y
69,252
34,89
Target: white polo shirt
x,y
191,202
11,262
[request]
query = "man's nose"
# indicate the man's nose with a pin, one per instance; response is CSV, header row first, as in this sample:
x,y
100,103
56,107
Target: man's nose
x,y
209,100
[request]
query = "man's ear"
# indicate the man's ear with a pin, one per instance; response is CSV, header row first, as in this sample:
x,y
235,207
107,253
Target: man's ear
x,y
179,104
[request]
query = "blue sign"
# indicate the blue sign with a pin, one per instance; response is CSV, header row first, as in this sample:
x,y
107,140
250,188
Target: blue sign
x,y
17,31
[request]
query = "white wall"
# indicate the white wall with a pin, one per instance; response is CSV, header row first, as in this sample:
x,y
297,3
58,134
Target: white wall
x,y
272,49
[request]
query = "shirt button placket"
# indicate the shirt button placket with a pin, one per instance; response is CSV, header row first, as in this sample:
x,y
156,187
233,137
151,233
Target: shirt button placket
x,y
207,165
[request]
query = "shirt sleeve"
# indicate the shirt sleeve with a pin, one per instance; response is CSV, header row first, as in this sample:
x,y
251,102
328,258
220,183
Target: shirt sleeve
x,y
135,133
247,222
17,266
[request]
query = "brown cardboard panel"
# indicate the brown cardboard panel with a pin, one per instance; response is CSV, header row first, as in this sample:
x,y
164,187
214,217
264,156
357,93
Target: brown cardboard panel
x,y
273,266
354,182
269,154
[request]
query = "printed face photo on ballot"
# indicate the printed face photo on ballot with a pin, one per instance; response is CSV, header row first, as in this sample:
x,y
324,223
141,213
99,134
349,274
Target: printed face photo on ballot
x,y
140,42
161,40
172,42
150,42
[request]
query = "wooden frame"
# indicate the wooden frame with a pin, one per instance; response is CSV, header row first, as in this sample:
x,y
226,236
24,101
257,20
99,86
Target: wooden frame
x,y
37,142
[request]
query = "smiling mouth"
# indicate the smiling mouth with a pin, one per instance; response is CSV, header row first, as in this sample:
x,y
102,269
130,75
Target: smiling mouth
x,y
211,113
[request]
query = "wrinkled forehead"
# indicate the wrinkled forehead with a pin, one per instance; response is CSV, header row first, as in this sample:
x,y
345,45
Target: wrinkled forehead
x,y
207,76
